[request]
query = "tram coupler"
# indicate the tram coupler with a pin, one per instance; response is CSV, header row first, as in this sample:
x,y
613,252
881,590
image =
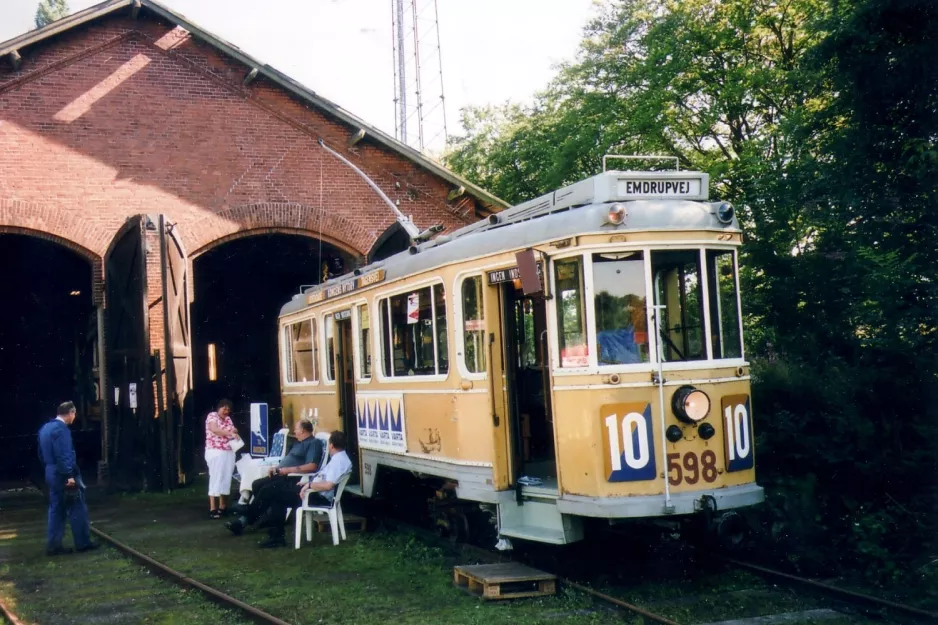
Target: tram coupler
x,y
726,529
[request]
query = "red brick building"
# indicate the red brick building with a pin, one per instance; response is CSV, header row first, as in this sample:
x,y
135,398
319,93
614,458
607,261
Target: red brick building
x,y
141,142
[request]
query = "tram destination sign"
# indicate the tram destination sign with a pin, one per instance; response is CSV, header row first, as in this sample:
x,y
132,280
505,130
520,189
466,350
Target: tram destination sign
x,y
344,288
509,274
659,188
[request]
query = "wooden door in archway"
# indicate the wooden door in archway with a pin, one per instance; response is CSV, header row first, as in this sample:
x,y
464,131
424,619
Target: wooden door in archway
x,y
180,427
133,449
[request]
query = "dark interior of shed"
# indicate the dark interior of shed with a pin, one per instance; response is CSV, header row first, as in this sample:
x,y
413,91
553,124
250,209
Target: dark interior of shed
x,y
48,334
240,287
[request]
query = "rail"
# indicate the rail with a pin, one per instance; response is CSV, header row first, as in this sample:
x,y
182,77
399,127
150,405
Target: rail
x,y
491,558
649,616
9,615
216,595
852,596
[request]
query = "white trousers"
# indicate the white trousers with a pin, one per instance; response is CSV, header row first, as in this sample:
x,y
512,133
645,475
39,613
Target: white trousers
x,y
221,464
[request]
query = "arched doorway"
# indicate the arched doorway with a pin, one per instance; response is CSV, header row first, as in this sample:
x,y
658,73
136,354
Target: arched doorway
x,y
240,286
392,241
48,351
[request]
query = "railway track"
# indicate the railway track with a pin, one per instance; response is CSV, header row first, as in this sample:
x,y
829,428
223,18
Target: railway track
x,y
118,585
841,607
858,599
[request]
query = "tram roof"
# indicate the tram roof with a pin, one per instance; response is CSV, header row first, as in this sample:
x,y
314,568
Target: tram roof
x,y
579,209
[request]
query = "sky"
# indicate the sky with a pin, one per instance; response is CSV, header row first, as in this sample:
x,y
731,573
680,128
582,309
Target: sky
x,y
492,50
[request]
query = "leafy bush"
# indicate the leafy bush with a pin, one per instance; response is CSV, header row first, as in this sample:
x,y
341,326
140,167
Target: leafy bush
x,y
843,475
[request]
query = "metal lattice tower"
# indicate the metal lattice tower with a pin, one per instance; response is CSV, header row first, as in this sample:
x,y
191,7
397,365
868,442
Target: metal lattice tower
x,y
419,103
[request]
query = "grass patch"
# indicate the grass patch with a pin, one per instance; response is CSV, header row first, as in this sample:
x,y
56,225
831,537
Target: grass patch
x,y
372,578
369,579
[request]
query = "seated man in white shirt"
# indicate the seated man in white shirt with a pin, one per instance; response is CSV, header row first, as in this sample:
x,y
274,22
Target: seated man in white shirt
x,y
271,504
324,485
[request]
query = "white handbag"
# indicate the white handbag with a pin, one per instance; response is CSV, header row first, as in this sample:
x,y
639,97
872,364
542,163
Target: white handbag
x,y
236,444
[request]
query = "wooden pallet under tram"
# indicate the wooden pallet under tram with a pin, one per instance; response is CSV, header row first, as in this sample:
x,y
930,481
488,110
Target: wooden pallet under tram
x,y
508,580
353,523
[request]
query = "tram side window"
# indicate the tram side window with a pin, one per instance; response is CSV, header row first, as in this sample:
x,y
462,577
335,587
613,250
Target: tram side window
x,y
364,342
303,352
724,309
329,337
619,303
442,337
571,313
473,324
409,344
676,275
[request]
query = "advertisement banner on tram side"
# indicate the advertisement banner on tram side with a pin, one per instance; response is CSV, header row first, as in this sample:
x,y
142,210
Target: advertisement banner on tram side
x,y
381,424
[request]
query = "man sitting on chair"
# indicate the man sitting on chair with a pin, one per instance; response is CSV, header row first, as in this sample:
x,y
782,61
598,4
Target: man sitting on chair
x,y
322,487
304,457
271,502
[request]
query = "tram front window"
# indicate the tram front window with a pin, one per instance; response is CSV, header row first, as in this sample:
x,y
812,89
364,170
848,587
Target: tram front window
x,y
677,285
621,326
724,306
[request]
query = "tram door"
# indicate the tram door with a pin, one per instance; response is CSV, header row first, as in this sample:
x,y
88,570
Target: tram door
x,y
527,382
345,386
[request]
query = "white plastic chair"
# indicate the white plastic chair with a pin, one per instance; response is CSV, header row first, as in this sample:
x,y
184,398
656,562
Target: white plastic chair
x,y
334,512
277,450
306,477
278,444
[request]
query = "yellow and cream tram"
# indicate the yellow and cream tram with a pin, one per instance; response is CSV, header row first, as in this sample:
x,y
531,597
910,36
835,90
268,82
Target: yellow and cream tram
x,y
578,355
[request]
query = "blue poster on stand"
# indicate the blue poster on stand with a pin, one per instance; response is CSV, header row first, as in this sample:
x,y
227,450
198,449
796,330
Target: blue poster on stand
x,y
259,443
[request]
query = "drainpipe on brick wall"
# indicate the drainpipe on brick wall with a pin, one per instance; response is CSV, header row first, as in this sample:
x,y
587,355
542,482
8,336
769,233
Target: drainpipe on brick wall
x,y
102,386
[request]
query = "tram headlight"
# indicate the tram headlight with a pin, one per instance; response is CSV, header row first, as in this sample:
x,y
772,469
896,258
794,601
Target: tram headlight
x,y
706,431
725,212
616,214
673,433
690,404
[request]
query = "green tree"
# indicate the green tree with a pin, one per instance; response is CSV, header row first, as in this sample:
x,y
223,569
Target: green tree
x,y
50,10
819,120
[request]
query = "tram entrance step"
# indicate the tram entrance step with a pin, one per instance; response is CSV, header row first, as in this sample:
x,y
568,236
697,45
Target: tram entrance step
x,y
538,520
535,533
508,580
353,523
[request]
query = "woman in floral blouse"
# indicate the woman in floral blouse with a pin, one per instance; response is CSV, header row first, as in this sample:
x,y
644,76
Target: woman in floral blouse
x,y
220,431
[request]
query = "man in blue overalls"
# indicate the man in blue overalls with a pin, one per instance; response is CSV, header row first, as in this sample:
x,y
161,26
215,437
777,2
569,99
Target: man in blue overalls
x,y
66,489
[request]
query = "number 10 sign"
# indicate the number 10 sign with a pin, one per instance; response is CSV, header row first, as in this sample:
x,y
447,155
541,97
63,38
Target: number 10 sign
x,y
628,442
737,432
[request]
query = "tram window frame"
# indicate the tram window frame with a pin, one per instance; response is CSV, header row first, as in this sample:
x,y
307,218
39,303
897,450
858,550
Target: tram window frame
x,y
639,314
387,371
693,256
461,334
718,326
583,312
364,343
328,351
289,358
